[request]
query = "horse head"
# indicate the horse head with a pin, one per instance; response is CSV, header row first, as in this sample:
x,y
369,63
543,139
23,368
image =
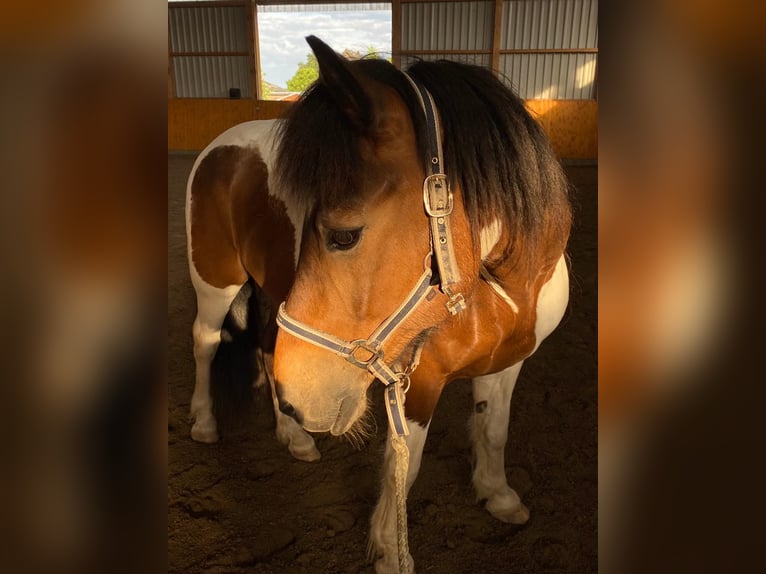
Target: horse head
x,y
393,249
350,151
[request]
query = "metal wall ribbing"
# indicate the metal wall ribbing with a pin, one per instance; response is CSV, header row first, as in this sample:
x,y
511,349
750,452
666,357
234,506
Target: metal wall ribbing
x,y
463,31
195,29
447,26
460,31
211,76
550,25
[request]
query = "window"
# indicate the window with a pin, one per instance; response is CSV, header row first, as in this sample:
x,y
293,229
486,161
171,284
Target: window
x,y
217,49
287,65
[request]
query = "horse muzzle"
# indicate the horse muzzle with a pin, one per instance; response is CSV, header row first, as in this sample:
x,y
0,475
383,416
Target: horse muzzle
x,y
321,395
336,415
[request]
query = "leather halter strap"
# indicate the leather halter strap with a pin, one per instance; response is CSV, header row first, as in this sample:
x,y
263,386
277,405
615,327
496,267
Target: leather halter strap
x,y
364,353
368,353
439,201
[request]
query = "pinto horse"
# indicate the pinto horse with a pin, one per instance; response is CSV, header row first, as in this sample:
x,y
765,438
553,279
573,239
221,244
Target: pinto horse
x,y
242,242
426,208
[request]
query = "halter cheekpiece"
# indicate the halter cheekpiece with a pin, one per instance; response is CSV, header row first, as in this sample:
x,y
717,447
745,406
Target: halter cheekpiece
x,y
368,353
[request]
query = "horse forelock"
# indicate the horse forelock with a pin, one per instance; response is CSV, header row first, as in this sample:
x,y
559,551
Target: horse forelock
x,y
493,149
319,155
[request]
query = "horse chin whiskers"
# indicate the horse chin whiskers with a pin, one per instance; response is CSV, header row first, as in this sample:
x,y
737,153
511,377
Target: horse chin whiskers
x,y
362,430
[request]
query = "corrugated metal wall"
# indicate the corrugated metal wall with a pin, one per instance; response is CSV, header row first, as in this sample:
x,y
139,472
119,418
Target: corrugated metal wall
x,y
465,27
324,7
526,25
475,59
550,24
550,76
447,26
210,29
211,76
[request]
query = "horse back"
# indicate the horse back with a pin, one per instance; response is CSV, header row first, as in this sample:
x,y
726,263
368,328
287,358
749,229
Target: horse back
x,y
236,225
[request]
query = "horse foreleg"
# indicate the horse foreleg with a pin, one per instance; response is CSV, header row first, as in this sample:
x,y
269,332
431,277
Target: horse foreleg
x,y
212,306
300,443
383,545
489,431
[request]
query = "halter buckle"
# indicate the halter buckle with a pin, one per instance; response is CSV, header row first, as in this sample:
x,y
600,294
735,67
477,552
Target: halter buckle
x,y
364,346
456,304
437,195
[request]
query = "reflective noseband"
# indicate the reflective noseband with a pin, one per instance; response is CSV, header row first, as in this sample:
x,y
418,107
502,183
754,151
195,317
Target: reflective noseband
x,y
368,353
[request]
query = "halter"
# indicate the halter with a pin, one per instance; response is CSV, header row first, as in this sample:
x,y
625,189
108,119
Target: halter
x,y
368,353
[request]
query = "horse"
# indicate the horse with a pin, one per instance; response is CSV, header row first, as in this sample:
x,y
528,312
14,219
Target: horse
x,y
425,207
242,242
437,220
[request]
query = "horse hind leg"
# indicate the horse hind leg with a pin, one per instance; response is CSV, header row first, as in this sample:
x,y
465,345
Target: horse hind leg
x,y
300,444
212,306
489,432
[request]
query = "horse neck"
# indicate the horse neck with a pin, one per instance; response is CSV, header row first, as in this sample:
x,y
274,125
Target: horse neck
x,y
520,267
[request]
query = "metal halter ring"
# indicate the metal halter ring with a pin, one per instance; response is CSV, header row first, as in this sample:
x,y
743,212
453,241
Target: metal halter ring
x,y
364,345
402,378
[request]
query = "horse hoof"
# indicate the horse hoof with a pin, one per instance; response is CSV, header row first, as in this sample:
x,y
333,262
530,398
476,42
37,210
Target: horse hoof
x,y
205,433
519,514
305,451
300,444
311,455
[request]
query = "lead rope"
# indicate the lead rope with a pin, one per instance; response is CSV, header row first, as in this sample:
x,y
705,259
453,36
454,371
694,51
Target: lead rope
x,y
394,395
401,464
401,468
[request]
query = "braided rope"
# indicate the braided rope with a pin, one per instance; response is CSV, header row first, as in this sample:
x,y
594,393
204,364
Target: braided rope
x,y
401,464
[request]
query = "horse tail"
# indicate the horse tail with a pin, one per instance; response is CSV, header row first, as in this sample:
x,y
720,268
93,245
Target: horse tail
x,y
238,366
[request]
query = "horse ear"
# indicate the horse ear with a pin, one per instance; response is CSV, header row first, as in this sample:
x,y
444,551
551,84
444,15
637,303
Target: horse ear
x,y
346,90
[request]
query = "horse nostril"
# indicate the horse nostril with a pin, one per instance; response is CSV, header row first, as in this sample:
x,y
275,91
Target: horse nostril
x,y
289,410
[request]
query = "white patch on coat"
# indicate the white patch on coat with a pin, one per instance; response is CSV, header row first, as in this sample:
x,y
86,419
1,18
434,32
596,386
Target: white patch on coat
x,y
260,135
489,237
552,302
497,288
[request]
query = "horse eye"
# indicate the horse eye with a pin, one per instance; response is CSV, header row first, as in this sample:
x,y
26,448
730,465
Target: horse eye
x,y
343,239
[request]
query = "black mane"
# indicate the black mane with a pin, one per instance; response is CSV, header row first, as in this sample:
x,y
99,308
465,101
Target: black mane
x,y
493,149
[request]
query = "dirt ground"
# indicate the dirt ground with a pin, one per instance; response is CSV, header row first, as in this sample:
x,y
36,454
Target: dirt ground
x,y
245,505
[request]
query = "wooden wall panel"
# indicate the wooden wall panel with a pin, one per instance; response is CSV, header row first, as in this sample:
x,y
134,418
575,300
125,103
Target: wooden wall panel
x,y
572,125
193,123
